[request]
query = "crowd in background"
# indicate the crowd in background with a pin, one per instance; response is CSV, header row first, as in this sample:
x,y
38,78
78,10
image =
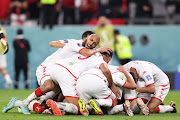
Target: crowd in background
x,y
43,12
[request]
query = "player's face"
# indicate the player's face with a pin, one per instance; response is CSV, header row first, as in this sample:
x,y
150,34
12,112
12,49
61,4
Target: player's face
x,y
91,42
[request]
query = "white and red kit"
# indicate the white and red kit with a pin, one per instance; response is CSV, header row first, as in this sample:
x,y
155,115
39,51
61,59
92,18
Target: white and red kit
x,y
120,80
66,71
151,74
42,72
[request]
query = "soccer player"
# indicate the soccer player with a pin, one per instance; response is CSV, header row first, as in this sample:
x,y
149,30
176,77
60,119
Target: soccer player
x,y
96,87
66,71
156,84
44,79
3,64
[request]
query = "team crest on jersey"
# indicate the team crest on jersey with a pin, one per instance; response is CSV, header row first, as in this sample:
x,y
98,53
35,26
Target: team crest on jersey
x,y
148,77
122,77
71,63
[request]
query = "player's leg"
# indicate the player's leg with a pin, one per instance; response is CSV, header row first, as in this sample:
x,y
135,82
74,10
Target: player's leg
x,y
167,108
153,104
3,66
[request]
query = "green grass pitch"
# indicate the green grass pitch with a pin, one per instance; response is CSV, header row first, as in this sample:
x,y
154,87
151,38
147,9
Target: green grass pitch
x,y
5,96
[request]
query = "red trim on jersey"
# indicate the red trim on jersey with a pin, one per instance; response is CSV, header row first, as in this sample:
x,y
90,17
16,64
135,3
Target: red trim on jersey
x,y
144,99
67,70
158,99
83,58
131,99
115,72
164,85
71,96
59,41
118,99
43,77
108,95
150,84
81,49
124,83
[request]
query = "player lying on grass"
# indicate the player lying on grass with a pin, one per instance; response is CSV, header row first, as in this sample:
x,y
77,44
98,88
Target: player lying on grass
x,y
153,86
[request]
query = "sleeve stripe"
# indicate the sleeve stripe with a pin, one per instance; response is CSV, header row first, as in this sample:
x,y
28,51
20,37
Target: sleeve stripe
x,y
150,84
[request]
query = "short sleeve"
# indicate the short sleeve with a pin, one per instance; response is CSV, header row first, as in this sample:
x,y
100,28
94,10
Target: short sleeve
x,y
147,77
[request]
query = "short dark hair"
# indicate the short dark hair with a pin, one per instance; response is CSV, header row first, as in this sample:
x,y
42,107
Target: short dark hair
x,y
86,33
19,31
107,54
116,31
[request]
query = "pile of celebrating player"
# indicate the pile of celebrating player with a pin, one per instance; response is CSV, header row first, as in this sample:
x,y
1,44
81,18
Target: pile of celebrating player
x,y
77,79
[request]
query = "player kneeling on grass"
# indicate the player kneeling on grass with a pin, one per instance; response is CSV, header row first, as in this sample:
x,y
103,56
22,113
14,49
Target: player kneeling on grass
x,y
156,86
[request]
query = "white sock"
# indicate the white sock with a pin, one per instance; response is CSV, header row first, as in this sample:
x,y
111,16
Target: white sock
x,y
7,78
105,102
17,103
89,108
115,109
29,98
135,109
165,108
30,106
68,107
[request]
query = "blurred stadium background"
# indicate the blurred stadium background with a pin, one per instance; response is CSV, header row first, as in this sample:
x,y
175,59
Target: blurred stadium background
x,y
162,47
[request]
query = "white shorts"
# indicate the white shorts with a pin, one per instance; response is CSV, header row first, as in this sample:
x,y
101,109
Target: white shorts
x,y
128,93
42,74
3,61
91,86
160,93
65,79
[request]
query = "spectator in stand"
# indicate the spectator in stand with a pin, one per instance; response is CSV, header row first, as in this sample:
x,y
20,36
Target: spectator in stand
x,y
33,9
4,12
47,13
69,11
87,8
104,8
21,47
19,9
105,32
143,9
159,11
119,8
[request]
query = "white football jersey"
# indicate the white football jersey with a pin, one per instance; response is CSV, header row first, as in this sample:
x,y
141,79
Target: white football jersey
x,y
119,78
148,72
77,64
61,53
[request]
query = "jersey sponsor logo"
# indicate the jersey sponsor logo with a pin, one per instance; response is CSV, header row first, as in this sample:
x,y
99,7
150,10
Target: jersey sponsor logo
x,y
148,77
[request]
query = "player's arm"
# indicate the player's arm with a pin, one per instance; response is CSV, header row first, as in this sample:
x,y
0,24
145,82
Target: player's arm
x,y
147,89
57,44
104,68
130,82
149,81
89,52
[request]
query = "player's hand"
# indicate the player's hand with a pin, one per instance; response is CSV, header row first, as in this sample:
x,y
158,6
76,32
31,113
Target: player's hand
x,y
121,69
104,49
115,91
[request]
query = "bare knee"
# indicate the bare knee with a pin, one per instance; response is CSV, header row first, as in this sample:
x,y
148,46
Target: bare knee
x,y
49,85
151,109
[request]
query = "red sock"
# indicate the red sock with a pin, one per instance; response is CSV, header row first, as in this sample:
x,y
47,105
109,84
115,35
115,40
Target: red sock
x,y
157,110
35,105
38,92
112,103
